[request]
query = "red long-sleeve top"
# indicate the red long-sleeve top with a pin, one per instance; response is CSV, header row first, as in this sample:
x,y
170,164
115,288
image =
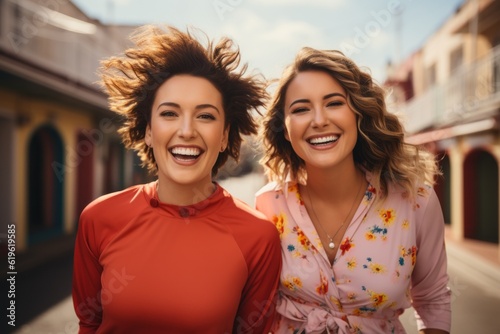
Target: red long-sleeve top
x,y
142,266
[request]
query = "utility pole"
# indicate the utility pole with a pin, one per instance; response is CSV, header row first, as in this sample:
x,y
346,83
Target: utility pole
x,y
398,26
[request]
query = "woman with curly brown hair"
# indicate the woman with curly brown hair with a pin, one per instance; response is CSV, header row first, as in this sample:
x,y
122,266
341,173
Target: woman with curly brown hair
x,y
361,228
178,255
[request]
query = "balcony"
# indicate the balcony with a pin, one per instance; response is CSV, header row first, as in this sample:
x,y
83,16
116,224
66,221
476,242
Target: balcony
x,y
472,93
52,49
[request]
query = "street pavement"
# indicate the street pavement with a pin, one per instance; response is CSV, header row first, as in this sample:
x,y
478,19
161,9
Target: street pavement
x,y
474,281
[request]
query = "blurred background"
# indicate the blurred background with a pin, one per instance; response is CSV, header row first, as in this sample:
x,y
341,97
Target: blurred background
x,y
440,61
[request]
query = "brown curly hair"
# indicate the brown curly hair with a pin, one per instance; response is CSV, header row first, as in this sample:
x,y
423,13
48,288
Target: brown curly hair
x,y
380,148
160,52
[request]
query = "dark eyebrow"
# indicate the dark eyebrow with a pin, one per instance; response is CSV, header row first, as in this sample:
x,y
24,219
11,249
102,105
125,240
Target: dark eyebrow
x,y
207,105
332,95
324,98
298,101
168,104
200,106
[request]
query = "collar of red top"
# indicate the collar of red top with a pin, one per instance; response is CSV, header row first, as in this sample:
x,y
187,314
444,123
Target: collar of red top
x,y
202,208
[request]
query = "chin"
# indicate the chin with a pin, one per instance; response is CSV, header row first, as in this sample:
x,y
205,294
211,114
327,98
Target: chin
x,y
187,178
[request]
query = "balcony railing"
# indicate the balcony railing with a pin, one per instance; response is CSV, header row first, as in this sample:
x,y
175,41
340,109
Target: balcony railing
x,y
471,92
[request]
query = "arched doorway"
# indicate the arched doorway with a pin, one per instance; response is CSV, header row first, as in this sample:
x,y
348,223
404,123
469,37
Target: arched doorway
x,y
481,196
443,186
85,172
45,184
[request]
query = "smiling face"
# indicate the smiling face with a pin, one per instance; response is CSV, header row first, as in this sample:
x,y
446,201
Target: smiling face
x,y
186,131
320,125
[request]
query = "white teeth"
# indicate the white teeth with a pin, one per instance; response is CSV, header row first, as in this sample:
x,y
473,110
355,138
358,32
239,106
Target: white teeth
x,y
186,151
323,140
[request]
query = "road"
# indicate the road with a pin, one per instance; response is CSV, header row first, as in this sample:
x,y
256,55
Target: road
x,y
475,286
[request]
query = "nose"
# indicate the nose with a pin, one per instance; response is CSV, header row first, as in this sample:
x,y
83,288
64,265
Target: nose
x,y
187,129
320,119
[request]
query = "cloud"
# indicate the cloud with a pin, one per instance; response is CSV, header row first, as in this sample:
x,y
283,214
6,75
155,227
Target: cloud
x,y
270,45
293,32
269,38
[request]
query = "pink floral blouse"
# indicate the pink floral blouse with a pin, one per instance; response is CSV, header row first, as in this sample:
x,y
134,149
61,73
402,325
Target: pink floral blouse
x,y
392,257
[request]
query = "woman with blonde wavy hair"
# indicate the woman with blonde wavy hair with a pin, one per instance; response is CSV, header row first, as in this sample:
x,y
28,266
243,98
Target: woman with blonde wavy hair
x,y
180,254
361,228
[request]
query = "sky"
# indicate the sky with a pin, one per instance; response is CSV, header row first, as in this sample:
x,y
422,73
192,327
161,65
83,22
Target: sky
x,y
270,32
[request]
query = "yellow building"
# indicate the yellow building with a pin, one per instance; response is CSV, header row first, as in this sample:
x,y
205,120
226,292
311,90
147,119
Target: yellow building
x,y
59,143
448,93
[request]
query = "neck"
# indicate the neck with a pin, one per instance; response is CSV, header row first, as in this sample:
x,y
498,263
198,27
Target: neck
x,y
335,184
184,194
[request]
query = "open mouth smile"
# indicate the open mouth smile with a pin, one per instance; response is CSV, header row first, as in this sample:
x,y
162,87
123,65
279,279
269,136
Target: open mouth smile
x,y
190,153
324,140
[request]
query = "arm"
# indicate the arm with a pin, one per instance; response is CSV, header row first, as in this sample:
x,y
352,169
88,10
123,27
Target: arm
x,y
258,303
86,278
430,293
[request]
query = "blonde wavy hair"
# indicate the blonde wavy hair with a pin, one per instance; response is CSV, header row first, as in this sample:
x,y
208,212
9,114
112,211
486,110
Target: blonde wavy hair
x,y
380,148
160,52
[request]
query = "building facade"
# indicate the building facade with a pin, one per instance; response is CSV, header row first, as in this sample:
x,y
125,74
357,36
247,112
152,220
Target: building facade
x,y
448,93
58,138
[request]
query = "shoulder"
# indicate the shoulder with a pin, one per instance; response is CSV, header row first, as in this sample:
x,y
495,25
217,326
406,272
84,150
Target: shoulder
x,y
274,196
114,204
269,193
246,221
108,214
269,189
422,199
111,200
420,191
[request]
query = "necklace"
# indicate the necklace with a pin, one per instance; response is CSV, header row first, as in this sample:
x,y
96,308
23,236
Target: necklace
x,y
331,244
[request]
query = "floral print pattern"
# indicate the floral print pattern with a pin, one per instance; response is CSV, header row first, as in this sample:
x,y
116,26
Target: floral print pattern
x,y
367,288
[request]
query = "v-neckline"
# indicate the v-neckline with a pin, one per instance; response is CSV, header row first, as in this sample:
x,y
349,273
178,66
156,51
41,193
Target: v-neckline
x,y
304,221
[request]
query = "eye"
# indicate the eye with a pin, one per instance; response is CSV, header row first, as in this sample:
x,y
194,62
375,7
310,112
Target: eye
x,y
207,117
168,113
336,103
298,110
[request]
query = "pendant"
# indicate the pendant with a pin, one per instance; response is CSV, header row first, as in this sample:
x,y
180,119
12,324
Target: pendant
x,y
331,245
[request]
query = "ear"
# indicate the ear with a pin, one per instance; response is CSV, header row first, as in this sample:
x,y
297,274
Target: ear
x,y
287,137
148,137
225,139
